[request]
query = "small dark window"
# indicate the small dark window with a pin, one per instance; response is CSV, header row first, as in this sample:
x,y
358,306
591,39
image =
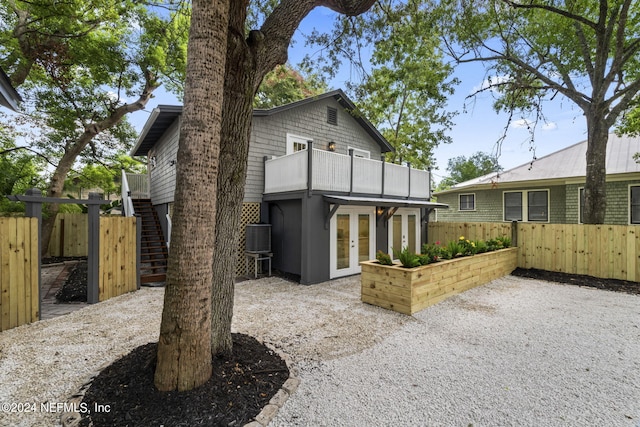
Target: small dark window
x,y
538,207
635,205
513,206
467,202
332,116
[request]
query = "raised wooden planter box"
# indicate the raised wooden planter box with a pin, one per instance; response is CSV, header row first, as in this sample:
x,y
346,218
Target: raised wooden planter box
x,y
409,290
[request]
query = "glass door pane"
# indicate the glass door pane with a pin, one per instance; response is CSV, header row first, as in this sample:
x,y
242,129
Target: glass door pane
x,y
411,232
396,245
363,238
342,240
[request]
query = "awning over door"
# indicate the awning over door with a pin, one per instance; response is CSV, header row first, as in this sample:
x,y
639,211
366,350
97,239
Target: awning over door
x,y
389,204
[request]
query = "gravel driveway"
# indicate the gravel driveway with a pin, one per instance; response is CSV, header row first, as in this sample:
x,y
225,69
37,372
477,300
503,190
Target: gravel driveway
x,y
514,352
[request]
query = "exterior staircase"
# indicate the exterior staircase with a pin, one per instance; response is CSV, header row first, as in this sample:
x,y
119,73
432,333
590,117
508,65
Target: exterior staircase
x,y
153,251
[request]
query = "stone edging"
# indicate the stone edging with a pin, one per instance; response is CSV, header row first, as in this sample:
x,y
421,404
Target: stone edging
x,y
72,418
269,412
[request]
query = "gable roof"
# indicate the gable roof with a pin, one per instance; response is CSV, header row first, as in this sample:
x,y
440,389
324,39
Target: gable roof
x,y
565,164
9,97
163,116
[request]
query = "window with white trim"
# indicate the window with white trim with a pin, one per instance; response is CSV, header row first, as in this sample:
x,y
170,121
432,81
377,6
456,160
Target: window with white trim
x,y
357,152
532,205
296,143
634,204
467,202
513,206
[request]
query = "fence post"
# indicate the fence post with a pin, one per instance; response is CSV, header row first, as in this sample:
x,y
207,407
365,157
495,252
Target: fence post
x,y
93,285
514,233
34,210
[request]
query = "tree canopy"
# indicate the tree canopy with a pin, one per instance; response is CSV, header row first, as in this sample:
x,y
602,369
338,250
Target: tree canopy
x,y
462,169
584,51
403,88
81,68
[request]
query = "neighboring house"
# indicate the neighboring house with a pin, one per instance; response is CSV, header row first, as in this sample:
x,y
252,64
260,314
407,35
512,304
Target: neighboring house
x,y
550,189
314,174
8,96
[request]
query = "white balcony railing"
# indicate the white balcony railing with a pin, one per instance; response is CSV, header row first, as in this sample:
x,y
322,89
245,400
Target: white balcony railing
x,y
138,185
341,173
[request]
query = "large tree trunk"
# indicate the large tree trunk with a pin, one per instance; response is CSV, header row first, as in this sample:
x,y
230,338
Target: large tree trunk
x,y
595,192
184,346
248,61
234,148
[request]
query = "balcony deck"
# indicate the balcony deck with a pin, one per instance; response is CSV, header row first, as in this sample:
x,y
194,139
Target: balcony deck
x,y
332,172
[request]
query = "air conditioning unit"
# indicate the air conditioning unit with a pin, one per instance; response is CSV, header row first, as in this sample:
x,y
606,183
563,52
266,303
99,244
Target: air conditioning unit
x,y
258,238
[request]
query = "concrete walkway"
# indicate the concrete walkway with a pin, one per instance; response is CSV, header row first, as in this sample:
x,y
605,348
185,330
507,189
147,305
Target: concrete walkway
x,y
53,277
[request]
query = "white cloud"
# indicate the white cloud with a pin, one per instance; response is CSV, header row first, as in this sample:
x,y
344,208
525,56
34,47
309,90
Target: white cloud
x,y
550,126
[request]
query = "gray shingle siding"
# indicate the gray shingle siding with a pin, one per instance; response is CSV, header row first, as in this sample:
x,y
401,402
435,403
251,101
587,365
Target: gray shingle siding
x,y
269,138
163,175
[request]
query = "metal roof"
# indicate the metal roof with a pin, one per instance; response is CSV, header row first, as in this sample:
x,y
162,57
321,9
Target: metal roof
x,y
564,164
163,116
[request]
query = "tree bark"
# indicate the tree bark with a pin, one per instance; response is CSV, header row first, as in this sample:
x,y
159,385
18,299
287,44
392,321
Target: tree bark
x,y
595,191
248,61
184,346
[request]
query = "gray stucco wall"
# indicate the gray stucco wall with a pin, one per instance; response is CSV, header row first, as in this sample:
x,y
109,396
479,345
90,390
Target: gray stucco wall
x,y
163,175
269,137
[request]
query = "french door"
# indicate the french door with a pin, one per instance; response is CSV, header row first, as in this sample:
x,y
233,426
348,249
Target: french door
x,y
352,239
404,230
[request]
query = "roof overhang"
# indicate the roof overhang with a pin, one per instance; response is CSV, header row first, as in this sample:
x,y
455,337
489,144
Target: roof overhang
x,y
9,97
161,118
383,202
389,205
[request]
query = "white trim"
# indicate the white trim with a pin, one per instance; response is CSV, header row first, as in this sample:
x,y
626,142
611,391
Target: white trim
x,y
354,264
404,215
358,152
292,139
525,204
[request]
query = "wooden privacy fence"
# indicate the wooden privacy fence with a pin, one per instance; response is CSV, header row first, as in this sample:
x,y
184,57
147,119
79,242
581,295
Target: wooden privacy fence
x,y
19,296
605,251
446,231
117,265
19,265
69,236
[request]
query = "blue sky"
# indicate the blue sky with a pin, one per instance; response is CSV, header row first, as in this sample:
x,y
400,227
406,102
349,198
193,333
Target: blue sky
x,y
475,130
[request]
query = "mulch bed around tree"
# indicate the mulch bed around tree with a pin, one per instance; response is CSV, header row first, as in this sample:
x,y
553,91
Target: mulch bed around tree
x,y
580,280
241,385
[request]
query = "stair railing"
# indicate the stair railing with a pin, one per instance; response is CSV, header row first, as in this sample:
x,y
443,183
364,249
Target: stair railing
x,y
127,203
